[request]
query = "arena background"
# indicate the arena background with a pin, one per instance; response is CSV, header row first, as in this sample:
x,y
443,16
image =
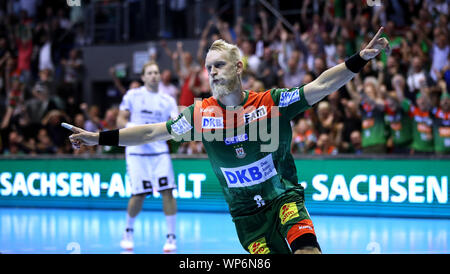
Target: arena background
x,y
53,198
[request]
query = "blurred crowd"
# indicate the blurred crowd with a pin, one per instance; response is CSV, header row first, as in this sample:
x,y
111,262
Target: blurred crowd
x,y
397,104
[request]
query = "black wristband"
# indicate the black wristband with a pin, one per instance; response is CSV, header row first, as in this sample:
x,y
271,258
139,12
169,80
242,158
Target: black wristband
x,y
109,138
355,63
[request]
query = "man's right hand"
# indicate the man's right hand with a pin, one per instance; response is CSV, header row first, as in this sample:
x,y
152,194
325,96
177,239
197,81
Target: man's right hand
x,y
81,136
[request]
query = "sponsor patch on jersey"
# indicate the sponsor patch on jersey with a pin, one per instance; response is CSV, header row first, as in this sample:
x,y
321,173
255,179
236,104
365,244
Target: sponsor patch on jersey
x,y
249,175
288,212
259,247
181,126
254,115
212,122
287,98
236,139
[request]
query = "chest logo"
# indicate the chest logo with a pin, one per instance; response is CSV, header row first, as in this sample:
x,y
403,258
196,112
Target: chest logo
x,y
240,153
212,122
255,115
249,175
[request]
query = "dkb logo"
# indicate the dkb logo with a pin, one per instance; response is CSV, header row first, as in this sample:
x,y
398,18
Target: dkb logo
x,y
74,3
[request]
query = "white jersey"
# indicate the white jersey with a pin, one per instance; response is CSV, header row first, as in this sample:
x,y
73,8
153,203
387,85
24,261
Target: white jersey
x,y
147,107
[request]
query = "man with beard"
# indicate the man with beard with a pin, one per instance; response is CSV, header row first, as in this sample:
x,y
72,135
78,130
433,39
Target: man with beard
x,y
259,180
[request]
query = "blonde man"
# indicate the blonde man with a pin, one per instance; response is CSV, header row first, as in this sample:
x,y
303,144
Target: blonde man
x,y
258,179
149,165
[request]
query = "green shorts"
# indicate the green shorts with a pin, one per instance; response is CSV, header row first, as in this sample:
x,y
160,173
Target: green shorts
x,y
275,227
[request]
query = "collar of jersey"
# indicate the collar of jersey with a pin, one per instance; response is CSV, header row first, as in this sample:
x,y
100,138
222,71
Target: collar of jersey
x,y
236,107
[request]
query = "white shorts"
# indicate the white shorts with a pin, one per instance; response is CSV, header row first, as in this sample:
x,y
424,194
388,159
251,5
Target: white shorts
x,y
150,173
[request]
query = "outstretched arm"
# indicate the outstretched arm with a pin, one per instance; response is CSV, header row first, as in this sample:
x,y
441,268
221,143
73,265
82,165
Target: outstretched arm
x,y
337,76
132,136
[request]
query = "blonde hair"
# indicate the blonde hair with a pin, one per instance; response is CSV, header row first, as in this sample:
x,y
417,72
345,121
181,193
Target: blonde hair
x,y
150,63
233,50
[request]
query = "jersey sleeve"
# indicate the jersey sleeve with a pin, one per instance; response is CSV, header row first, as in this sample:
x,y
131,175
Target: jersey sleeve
x,y
291,102
126,102
173,112
182,127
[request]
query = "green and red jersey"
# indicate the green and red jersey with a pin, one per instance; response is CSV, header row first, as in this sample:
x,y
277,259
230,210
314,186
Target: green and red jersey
x,y
422,129
248,145
373,126
441,131
400,124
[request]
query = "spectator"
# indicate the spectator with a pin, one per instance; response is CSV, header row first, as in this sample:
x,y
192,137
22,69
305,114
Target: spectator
x,y
325,118
303,137
45,54
43,98
291,62
44,144
422,125
372,110
92,116
440,51
249,58
166,86
417,78
187,73
355,142
15,144
52,123
441,128
325,146
351,124
268,69
118,84
398,118
72,68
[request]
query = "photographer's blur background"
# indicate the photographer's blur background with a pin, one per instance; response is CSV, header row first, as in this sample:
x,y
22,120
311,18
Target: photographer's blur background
x,y
376,148
74,64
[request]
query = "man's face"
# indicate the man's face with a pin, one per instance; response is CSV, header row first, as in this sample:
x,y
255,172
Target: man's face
x,y
151,76
165,76
392,104
445,104
223,73
423,103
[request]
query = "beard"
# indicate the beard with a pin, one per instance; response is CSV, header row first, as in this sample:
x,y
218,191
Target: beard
x,y
224,87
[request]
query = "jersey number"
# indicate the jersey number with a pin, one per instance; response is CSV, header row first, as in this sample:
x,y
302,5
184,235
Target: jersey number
x,y
259,200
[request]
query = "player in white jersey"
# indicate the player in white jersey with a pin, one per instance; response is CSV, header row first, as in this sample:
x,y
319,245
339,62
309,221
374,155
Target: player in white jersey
x,y
149,166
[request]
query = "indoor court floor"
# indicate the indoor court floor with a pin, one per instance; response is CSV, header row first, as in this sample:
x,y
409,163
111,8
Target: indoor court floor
x,y
66,231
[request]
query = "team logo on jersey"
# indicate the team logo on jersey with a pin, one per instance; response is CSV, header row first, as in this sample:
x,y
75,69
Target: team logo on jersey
x,y
212,122
240,153
259,247
254,115
287,98
288,212
181,126
249,175
236,139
